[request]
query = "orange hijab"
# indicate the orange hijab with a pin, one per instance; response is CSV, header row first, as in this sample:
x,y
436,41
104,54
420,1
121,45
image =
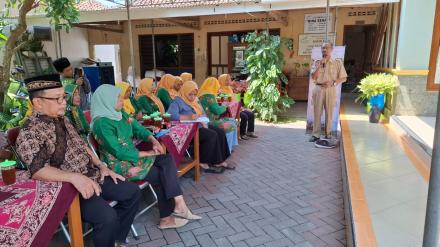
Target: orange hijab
x,y
186,77
146,88
209,86
186,89
167,82
223,87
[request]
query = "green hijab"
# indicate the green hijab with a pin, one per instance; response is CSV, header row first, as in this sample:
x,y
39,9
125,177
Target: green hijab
x,y
104,101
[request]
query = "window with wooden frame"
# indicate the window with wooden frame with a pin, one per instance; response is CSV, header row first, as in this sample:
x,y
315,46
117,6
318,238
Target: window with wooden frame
x,y
434,60
174,53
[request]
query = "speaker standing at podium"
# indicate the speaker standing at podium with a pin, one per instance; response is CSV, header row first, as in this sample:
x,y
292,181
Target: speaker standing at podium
x,y
327,73
67,75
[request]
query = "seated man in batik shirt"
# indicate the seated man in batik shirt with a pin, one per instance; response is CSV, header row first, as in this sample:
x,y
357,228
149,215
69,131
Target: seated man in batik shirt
x,y
53,151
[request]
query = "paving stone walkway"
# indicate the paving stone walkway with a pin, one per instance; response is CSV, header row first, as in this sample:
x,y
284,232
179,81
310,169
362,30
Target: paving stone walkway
x,y
284,192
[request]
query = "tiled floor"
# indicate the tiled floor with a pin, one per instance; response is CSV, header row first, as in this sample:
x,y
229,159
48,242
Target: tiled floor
x,y
396,192
284,192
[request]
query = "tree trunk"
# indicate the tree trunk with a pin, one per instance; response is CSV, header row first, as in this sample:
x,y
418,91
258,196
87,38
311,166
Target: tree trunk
x,y
10,45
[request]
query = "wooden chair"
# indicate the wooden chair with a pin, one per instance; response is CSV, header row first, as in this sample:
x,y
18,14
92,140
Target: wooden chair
x,y
11,136
186,166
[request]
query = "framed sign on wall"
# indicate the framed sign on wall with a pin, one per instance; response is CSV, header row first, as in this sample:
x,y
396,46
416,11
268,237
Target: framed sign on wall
x,y
306,42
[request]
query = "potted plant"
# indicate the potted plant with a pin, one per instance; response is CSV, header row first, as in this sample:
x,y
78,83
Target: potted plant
x,y
374,88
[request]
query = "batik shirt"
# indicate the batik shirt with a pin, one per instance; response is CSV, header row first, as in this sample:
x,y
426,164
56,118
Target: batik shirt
x,y
46,141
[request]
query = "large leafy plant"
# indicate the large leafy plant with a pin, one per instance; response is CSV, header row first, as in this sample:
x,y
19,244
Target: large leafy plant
x,y
264,63
61,13
15,106
375,84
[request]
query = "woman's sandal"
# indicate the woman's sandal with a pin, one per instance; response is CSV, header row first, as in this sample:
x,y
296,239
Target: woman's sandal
x,y
178,222
214,169
187,215
226,167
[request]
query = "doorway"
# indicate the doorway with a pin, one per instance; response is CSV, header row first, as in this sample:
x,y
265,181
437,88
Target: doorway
x,y
358,41
110,53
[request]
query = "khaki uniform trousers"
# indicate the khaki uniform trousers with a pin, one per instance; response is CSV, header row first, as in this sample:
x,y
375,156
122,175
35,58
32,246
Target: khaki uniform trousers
x,y
323,98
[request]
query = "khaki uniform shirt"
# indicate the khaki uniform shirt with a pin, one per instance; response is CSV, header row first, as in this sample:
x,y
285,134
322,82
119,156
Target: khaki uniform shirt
x,y
333,70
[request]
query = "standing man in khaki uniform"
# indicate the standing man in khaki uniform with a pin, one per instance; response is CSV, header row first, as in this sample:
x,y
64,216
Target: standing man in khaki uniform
x,y
327,73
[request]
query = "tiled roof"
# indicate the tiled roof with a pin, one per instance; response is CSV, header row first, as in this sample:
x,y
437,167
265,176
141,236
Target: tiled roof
x,y
93,5
182,3
90,5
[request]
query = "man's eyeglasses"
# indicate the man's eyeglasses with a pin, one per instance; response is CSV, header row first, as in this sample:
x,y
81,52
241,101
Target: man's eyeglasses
x,y
59,100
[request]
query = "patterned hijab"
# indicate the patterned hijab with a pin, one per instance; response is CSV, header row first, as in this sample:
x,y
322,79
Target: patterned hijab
x,y
74,110
186,89
209,86
104,101
70,89
128,107
167,82
146,88
186,77
224,88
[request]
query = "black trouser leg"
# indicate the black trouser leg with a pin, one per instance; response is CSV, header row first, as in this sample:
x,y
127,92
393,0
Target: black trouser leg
x,y
110,224
251,121
163,177
222,142
243,123
210,150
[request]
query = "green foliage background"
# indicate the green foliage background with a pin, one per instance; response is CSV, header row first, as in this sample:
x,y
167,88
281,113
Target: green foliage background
x,y
264,62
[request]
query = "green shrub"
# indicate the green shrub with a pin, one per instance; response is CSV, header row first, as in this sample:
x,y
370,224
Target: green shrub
x,y
264,62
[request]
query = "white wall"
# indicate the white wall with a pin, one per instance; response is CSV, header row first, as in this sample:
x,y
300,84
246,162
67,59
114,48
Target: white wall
x,y
74,45
109,53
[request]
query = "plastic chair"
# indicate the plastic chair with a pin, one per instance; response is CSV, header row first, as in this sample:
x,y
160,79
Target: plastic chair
x,y
141,184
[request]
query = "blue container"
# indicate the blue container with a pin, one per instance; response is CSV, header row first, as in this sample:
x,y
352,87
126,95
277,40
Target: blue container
x,y
378,101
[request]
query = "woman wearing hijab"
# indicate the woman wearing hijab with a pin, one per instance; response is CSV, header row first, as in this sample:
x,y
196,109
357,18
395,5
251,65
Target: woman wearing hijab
x,y
186,77
147,101
168,89
114,131
207,95
130,105
213,144
247,117
74,112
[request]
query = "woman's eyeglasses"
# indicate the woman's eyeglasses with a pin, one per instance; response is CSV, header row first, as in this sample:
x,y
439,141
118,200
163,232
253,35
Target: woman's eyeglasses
x,y
59,100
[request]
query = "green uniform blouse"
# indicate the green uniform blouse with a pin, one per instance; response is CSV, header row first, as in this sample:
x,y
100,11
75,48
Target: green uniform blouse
x,y
146,105
77,118
213,110
116,145
165,97
135,104
116,137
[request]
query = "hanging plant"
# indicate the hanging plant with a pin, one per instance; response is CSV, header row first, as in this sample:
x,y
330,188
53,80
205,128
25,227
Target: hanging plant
x,y
264,63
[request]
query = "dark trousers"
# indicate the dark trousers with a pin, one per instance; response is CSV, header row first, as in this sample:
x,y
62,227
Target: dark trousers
x,y
247,122
110,224
163,177
213,145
